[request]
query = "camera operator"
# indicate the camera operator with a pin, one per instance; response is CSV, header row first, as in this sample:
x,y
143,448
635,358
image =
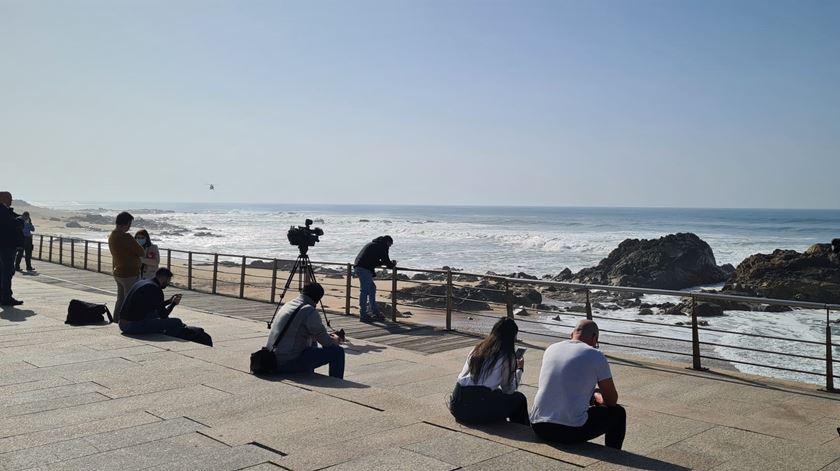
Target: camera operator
x,y
295,352
372,255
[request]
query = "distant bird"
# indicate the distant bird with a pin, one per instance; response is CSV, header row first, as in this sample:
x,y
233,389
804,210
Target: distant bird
x,y
212,187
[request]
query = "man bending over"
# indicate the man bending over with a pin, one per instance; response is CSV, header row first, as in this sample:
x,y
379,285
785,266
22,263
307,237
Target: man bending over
x,y
567,409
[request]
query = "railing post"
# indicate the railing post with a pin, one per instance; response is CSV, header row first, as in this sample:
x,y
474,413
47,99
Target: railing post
x,y
394,294
274,282
51,249
41,247
189,270
86,255
588,306
829,357
449,299
169,259
99,257
508,299
242,280
73,253
347,292
215,272
695,338
61,250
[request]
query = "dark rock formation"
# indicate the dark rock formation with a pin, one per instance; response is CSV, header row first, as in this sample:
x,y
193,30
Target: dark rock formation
x,y
675,261
468,298
787,274
73,224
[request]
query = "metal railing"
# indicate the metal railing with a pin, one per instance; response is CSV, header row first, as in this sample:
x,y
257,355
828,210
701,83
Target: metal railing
x,y
262,279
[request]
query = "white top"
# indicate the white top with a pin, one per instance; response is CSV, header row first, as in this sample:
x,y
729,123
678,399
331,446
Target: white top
x,y
497,377
151,262
570,371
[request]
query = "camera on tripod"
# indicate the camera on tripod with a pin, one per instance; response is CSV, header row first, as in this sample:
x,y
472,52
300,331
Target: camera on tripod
x,y
304,236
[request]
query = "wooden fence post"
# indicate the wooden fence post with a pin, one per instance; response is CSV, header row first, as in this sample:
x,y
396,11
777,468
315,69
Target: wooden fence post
x,y
274,282
215,272
348,289
242,279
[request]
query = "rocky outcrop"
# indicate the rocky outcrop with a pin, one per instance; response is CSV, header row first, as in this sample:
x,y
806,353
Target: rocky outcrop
x,y
468,298
813,275
675,261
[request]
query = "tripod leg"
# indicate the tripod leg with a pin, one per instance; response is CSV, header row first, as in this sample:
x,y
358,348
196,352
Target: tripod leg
x,y
310,273
285,288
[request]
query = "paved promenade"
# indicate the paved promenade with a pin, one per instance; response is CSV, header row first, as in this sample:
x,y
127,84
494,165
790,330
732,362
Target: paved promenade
x,y
90,398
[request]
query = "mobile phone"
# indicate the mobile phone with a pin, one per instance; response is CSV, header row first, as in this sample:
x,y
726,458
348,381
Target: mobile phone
x,y
520,352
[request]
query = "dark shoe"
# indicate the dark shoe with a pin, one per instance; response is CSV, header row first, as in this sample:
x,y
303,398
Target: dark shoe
x,y
11,302
365,319
378,318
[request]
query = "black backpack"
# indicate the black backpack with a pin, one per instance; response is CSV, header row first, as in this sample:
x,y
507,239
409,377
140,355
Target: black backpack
x,y
82,313
263,360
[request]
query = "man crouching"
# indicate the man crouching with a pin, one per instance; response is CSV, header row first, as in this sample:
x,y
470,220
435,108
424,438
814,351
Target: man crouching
x,y
295,350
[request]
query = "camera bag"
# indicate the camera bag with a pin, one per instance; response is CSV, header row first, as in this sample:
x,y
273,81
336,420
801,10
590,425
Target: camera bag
x,y
263,361
83,313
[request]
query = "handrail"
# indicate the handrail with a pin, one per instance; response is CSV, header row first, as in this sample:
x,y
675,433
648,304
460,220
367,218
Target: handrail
x,y
234,283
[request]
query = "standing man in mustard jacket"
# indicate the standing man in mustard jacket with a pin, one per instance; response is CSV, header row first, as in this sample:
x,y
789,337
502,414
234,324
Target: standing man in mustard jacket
x,y
126,256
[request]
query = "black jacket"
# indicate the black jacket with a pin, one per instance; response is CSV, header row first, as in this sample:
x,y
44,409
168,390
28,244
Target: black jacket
x,y
11,229
143,298
374,254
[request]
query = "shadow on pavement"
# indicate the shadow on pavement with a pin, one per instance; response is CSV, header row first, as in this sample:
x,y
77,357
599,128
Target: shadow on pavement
x,y
524,434
313,379
362,349
14,314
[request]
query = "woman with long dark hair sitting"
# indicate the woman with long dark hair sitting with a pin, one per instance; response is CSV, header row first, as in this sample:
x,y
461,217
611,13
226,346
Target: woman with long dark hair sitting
x,y
486,390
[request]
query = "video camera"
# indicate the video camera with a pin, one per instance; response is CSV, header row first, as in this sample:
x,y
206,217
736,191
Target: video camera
x,y
304,236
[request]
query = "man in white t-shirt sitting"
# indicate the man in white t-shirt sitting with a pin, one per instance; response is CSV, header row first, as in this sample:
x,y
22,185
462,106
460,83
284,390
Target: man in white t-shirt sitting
x,y
570,371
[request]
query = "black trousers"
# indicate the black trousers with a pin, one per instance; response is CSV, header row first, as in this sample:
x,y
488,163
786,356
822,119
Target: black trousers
x,y
610,421
7,271
26,251
481,405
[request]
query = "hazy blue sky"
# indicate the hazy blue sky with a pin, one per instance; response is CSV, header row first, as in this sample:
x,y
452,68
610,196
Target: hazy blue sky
x,y
623,103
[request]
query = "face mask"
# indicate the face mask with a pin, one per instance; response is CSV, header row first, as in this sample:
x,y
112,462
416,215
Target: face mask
x,y
141,241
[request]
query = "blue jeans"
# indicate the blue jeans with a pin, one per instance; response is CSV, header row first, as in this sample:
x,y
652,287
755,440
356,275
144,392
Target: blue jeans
x,y
367,293
314,357
153,324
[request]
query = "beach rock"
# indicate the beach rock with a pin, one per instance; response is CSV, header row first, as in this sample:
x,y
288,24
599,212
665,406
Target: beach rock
x,y
420,277
565,275
73,224
704,309
206,234
775,308
675,261
645,311
434,296
521,312
558,318
787,274
576,308
55,219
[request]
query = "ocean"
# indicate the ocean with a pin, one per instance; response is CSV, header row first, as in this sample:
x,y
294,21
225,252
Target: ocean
x,y
535,240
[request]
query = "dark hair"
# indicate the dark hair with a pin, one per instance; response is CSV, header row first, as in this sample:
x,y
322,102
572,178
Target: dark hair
x,y
835,245
389,240
145,233
163,273
124,218
497,346
314,291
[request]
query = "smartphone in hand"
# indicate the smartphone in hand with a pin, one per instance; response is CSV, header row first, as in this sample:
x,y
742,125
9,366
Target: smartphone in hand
x,y
520,352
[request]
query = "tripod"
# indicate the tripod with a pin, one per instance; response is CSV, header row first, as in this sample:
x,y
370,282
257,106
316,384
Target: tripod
x,y
305,273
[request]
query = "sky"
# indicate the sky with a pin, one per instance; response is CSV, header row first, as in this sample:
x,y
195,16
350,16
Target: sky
x,y
558,103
